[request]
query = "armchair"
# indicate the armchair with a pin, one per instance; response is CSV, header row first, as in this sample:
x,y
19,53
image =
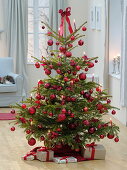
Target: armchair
x,y
10,93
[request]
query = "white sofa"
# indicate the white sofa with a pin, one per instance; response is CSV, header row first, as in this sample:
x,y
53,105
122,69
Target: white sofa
x,y
10,93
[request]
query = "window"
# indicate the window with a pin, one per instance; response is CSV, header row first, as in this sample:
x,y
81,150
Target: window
x,y
38,10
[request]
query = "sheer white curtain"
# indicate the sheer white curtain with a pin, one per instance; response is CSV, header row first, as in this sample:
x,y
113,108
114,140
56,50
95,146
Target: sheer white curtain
x,y
16,13
124,55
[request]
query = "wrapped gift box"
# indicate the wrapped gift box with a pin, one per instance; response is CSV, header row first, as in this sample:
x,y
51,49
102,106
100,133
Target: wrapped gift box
x,y
44,155
28,157
93,151
63,160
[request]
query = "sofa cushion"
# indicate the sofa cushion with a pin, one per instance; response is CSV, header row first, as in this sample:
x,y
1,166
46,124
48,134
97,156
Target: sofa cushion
x,y
7,88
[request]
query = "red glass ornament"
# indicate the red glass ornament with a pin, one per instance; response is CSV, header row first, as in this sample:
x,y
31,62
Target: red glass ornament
x,y
86,122
90,64
78,68
113,112
87,95
61,117
40,82
74,73
72,38
86,69
51,114
31,141
99,126
85,109
43,27
32,110
47,85
63,111
102,136
37,65
59,64
62,49
12,128
28,131
80,42
99,106
72,115
72,126
82,92
38,96
108,101
58,129
91,91
58,71
110,136
40,126
91,130
98,89
57,43
116,139
23,106
84,28
42,138
96,61
68,54
73,99
22,119
42,97
70,45
47,72
66,79
52,96
50,42
82,76
12,111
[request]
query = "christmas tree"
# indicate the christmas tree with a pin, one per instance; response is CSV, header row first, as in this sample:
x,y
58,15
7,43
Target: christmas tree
x,y
66,109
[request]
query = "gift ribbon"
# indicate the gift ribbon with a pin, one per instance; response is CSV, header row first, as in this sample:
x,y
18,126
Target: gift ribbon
x,y
44,149
29,154
93,149
65,15
65,158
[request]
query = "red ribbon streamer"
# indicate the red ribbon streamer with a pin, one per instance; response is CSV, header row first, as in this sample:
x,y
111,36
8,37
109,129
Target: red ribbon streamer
x,y
93,149
65,15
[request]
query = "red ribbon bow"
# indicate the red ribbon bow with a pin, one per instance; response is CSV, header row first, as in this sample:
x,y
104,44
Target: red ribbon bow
x,y
65,15
93,149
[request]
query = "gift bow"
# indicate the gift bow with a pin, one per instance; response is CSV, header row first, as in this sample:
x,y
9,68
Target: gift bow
x,y
65,15
91,145
42,149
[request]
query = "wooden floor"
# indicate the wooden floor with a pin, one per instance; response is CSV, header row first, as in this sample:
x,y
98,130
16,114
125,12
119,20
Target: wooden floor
x,y
13,145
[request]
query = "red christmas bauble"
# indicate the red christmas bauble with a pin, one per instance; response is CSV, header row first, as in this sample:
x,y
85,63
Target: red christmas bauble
x,y
23,106
108,101
86,122
113,112
90,64
61,117
47,72
59,64
74,73
66,79
38,96
86,69
70,45
63,111
58,71
42,138
98,89
84,28
52,96
57,43
12,128
51,114
72,126
58,130
12,111
22,119
72,115
87,95
50,42
51,66
91,91
72,38
28,131
110,136
78,68
47,85
82,92
42,97
82,76
32,110
68,54
40,82
40,126
102,136
80,42
99,106
37,65
99,126
73,99
96,61
31,141
91,130
116,139
85,109
43,27
62,49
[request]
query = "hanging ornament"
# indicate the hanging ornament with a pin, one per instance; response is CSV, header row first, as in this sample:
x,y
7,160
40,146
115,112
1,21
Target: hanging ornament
x,y
52,96
80,42
23,106
47,71
116,139
78,68
12,128
82,76
31,141
110,136
108,101
113,112
28,131
84,28
57,43
12,111
96,61
42,138
68,54
32,110
37,65
102,136
91,130
72,38
86,69
70,45
50,42
66,79
85,109
86,122
61,117
47,85
51,114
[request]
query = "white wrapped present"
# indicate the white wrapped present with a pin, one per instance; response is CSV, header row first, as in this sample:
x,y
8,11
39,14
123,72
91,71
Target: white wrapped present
x,y
65,159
